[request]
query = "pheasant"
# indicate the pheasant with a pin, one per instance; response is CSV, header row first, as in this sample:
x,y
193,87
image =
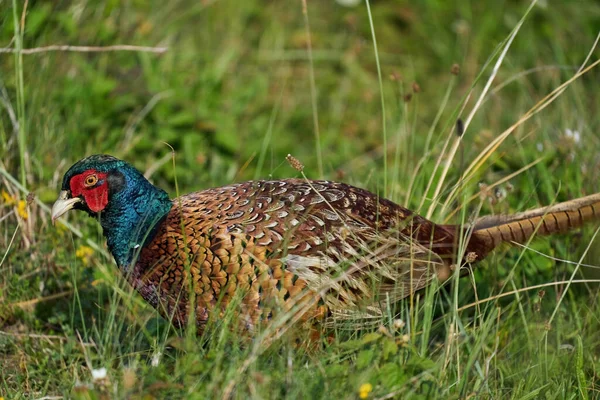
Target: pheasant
x,y
282,243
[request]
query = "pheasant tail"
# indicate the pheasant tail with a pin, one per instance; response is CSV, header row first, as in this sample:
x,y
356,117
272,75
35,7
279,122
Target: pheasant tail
x,y
520,227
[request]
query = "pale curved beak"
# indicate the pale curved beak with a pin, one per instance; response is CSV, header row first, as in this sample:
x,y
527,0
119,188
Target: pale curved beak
x,y
62,205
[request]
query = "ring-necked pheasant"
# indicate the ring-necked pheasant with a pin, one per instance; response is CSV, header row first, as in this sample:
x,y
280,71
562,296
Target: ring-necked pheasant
x,y
280,243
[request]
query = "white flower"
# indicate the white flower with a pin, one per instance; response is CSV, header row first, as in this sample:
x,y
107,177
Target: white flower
x,y
540,147
156,359
98,374
573,135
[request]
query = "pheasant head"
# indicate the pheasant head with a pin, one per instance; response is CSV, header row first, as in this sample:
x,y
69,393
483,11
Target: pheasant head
x,y
126,204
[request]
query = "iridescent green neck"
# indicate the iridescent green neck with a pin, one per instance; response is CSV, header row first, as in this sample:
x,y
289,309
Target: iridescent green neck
x,y
132,216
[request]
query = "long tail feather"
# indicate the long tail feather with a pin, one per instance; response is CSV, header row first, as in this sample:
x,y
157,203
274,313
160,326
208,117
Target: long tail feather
x,y
520,227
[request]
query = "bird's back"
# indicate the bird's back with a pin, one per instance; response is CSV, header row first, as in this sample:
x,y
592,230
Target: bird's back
x,y
281,241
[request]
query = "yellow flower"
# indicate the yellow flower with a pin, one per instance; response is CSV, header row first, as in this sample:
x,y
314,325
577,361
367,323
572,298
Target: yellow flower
x,y
8,200
145,28
22,209
84,253
364,390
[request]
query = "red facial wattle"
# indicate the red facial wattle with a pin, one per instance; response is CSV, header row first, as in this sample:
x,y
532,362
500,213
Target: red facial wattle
x,y
96,195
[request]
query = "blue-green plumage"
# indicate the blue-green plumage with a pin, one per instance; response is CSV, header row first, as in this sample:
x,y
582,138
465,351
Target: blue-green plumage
x,y
134,209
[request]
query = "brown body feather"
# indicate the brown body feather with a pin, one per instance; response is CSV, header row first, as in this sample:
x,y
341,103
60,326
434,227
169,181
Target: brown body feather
x,y
280,241
283,242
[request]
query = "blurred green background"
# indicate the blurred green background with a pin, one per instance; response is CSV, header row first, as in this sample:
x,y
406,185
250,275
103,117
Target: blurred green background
x,y
234,86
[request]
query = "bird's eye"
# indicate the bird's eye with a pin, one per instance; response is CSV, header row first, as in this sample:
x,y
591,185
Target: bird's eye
x,y
91,180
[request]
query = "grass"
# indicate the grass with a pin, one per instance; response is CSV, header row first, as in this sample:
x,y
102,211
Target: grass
x,y
238,89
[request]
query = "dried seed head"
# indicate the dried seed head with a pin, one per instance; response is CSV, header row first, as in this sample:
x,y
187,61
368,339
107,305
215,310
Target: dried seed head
x,y
395,76
399,324
129,378
455,70
484,191
460,127
294,163
416,88
500,193
259,378
471,257
384,330
30,198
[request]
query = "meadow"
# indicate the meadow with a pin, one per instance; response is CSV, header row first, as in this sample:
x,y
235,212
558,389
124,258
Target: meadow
x,y
451,108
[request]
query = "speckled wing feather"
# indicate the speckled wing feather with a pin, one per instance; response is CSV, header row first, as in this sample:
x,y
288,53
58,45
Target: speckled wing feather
x,y
280,242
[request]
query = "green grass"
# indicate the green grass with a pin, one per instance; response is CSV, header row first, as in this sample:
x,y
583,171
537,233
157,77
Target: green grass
x,y
233,96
